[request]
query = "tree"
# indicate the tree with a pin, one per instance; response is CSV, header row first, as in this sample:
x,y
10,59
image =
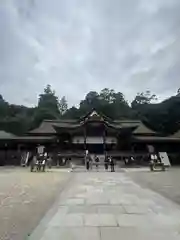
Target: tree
x,y
143,98
4,107
92,98
42,114
72,113
162,117
63,106
48,100
91,101
48,106
107,95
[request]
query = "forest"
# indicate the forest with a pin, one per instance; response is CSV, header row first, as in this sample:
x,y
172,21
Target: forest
x,y
163,117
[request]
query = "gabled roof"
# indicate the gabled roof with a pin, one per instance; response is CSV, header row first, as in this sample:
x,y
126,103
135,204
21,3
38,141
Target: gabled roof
x,y
50,126
6,135
45,127
176,134
94,115
142,129
54,126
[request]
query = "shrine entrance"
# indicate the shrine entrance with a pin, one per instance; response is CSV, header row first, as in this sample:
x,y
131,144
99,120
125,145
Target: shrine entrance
x,y
95,148
95,145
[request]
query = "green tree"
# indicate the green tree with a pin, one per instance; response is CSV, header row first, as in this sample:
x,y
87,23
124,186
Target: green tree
x,y
107,95
4,107
48,100
72,113
48,106
91,101
143,98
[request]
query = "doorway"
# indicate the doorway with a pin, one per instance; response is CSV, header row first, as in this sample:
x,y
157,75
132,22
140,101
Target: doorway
x,y
95,148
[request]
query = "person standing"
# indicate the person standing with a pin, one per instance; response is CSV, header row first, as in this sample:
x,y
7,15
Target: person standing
x,y
87,163
97,162
90,162
111,161
106,161
86,158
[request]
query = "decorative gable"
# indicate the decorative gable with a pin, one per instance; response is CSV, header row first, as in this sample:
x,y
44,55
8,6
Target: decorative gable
x,y
94,116
94,113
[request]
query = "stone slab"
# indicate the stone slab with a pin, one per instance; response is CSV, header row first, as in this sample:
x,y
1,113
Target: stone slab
x,y
107,220
136,209
83,209
117,233
130,220
91,220
67,220
97,200
129,233
72,201
100,220
109,209
77,233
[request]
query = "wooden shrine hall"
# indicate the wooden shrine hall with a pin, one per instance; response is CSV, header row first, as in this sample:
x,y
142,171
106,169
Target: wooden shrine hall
x,y
96,133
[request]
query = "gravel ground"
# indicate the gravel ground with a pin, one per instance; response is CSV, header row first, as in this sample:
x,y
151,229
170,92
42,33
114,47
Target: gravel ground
x,y
166,183
24,199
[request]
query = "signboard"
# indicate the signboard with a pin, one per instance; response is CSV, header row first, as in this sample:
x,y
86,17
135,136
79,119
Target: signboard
x,y
164,158
40,149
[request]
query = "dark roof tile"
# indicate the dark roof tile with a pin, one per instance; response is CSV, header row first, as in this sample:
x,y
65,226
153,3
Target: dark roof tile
x,y
176,134
142,129
6,135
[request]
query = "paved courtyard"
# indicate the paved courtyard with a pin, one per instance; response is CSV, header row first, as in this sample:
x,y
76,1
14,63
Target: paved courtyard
x,y
104,205
166,183
24,199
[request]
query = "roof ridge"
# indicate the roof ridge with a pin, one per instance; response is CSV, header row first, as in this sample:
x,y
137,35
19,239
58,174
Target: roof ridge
x,y
60,120
127,120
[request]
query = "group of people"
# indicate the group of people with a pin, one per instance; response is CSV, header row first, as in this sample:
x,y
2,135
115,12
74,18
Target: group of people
x,y
108,161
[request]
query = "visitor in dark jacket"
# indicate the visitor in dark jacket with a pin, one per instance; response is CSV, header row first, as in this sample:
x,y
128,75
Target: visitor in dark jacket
x,y
96,159
111,162
106,163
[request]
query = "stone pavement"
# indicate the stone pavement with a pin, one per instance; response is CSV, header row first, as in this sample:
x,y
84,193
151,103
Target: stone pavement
x,y
105,205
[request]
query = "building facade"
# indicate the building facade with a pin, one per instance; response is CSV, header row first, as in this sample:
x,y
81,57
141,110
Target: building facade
x,y
93,132
101,135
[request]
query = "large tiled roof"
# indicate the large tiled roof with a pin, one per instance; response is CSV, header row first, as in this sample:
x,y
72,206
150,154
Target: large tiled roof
x,y
176,134
142,129
49,127
5,135
45,127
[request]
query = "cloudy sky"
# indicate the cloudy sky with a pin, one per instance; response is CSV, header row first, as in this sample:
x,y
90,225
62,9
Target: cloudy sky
x,y
83,45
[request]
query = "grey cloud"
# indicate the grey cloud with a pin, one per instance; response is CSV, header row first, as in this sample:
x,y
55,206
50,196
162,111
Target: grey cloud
x,y
82,45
